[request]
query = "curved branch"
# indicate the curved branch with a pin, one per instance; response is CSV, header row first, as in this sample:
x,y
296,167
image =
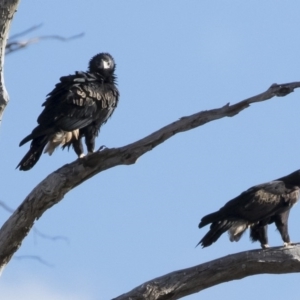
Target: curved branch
x,y
54,187
185,282
34,257
50,237
7,10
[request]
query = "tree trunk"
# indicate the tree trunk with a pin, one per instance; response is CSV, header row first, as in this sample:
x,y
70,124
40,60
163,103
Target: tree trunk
x,y
7,11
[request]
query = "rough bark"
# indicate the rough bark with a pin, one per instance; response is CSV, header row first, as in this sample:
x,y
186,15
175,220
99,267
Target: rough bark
x,y
7,10
54,187
185,282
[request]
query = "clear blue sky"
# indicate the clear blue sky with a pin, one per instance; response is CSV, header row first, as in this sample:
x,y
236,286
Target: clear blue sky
x,y
131,224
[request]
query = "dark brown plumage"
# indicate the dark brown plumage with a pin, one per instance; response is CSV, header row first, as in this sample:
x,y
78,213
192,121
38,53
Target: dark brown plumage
x,y
255,208
78,106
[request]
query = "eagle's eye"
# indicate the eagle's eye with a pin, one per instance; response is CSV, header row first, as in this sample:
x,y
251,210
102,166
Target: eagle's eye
x,y
106,64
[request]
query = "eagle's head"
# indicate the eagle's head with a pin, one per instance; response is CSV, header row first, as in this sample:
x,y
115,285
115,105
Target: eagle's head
x,y
102,63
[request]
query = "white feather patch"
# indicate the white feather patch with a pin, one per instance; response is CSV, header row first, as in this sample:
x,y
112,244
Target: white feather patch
x,y
237,230
60,138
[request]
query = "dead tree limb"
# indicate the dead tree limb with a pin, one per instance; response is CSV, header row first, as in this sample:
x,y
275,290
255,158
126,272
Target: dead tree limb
x,y
16,45
50,237
178,284
22,33
7,10
55,186
34,257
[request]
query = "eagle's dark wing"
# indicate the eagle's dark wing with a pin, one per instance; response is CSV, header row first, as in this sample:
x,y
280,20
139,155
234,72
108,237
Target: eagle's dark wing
x,y
260,202
77,101
108,96
68,107
72,103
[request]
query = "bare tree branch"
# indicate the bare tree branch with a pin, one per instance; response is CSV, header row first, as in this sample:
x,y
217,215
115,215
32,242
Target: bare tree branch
x,y
54,187
6,207
7,10
34,257
30,29
175,285
50,237
13,46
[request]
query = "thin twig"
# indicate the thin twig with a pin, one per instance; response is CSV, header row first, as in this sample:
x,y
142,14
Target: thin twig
x,y
13,46
34,257
49,237
30,29
6,207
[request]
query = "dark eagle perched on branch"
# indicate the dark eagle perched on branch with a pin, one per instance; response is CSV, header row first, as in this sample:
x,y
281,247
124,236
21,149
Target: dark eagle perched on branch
x,y
78,106
257,207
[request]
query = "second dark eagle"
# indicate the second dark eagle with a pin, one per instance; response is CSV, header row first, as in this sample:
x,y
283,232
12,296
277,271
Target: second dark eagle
x,y
77,107
255,208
